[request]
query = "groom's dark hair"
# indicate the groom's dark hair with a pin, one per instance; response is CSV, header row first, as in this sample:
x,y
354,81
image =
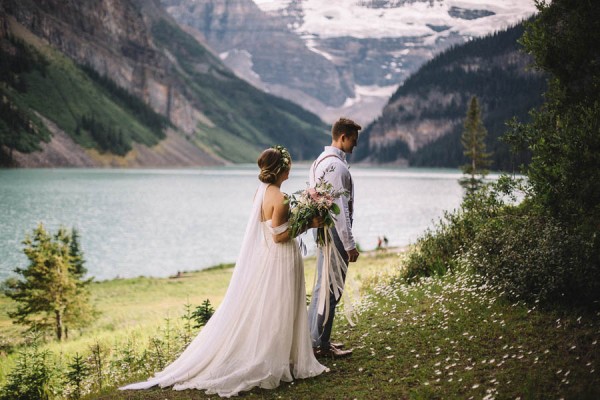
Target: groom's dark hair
x,y
344,125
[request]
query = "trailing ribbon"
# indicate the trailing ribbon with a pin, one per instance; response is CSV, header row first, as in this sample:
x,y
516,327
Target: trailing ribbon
x,y
332,278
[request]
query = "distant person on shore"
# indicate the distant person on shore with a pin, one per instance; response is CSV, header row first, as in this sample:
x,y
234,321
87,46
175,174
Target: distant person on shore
x,y
259,336
332,164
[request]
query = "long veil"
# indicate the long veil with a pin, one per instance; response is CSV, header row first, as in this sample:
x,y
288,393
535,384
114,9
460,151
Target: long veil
x,y
213,354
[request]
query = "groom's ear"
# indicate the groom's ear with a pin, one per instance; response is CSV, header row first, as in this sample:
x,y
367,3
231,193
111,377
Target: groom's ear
x,y
350,135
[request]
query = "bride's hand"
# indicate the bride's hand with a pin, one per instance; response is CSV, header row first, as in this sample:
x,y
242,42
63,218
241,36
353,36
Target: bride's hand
x,y
317,222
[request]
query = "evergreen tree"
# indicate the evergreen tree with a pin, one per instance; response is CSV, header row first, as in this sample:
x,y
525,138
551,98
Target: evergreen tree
x,y
76,253
51,295
33,377
76,374
564,135
80,312
203,313
473,141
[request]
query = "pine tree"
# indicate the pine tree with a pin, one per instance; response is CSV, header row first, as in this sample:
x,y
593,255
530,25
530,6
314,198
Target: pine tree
x,y
473,141
76,374
203,313
51,295
80,312
76,253
33,376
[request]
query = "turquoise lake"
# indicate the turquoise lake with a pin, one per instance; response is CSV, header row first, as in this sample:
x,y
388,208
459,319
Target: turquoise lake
x,y
155,222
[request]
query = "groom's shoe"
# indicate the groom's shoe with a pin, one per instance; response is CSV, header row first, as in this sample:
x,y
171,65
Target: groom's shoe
x,y
332,351
338,345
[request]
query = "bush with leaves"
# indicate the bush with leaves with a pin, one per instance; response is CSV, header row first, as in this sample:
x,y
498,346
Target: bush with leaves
x,y
536,258
439,249
520,248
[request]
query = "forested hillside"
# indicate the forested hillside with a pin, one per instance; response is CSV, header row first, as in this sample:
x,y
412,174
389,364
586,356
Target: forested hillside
x,y
93,110
423,121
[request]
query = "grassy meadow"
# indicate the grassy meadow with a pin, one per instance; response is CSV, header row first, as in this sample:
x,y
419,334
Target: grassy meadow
x,y
137,308
448,337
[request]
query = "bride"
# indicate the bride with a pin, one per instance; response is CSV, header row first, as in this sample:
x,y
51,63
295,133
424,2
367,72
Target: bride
x,y
259,335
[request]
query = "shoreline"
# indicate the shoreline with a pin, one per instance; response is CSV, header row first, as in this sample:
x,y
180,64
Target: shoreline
x,y
388,251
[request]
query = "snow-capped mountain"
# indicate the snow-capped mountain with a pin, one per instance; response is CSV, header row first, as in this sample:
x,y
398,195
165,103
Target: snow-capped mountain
x,y
339,57
381,42
429,19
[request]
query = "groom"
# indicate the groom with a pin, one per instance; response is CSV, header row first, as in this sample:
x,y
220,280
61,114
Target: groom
x,y
344,135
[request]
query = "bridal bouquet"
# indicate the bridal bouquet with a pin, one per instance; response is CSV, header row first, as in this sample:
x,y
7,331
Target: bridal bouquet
x,y
314,202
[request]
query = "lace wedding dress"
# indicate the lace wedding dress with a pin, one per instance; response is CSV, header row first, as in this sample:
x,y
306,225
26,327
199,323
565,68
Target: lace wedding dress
x,y
259,334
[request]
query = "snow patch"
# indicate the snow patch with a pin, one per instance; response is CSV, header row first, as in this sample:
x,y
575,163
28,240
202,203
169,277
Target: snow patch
x,y
383,92
337,18
272,5
312,46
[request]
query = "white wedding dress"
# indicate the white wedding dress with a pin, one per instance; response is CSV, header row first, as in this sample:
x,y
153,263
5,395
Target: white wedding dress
x,y
259,334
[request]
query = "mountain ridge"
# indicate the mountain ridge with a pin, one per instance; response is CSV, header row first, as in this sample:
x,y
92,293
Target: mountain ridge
x,y
141,49
377,44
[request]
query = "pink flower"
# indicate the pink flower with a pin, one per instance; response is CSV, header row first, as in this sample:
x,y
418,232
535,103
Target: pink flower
x,y
313,194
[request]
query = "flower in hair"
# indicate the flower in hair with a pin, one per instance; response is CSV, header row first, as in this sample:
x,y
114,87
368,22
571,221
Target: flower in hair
x,y
286,158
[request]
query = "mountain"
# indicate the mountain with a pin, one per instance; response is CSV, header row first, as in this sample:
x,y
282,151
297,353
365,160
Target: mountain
x,y
422,123
260,47
120,83
262,50
339,57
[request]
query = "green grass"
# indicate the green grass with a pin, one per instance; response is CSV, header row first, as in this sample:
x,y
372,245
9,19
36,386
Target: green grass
x,y
448,337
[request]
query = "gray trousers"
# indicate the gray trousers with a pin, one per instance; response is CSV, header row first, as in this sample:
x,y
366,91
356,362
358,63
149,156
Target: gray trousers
x,y
321,333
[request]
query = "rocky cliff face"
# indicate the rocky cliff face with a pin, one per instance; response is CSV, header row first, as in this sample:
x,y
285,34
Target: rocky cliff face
x,y
114,38
263,50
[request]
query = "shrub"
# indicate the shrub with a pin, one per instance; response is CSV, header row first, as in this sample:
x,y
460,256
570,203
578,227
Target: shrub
x,y
535,257
33,378
435,251
520,249
439,249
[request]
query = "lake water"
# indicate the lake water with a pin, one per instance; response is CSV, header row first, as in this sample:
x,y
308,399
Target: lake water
x,y
156,222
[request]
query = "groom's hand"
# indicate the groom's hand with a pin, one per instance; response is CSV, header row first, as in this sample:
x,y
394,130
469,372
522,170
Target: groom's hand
x,y
352,255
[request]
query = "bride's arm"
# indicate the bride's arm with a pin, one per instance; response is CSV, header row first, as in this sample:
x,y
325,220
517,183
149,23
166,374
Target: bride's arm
x,y
280,216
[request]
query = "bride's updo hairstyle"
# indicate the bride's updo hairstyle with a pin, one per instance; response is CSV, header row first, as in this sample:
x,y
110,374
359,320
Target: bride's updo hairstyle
x,y
272,162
